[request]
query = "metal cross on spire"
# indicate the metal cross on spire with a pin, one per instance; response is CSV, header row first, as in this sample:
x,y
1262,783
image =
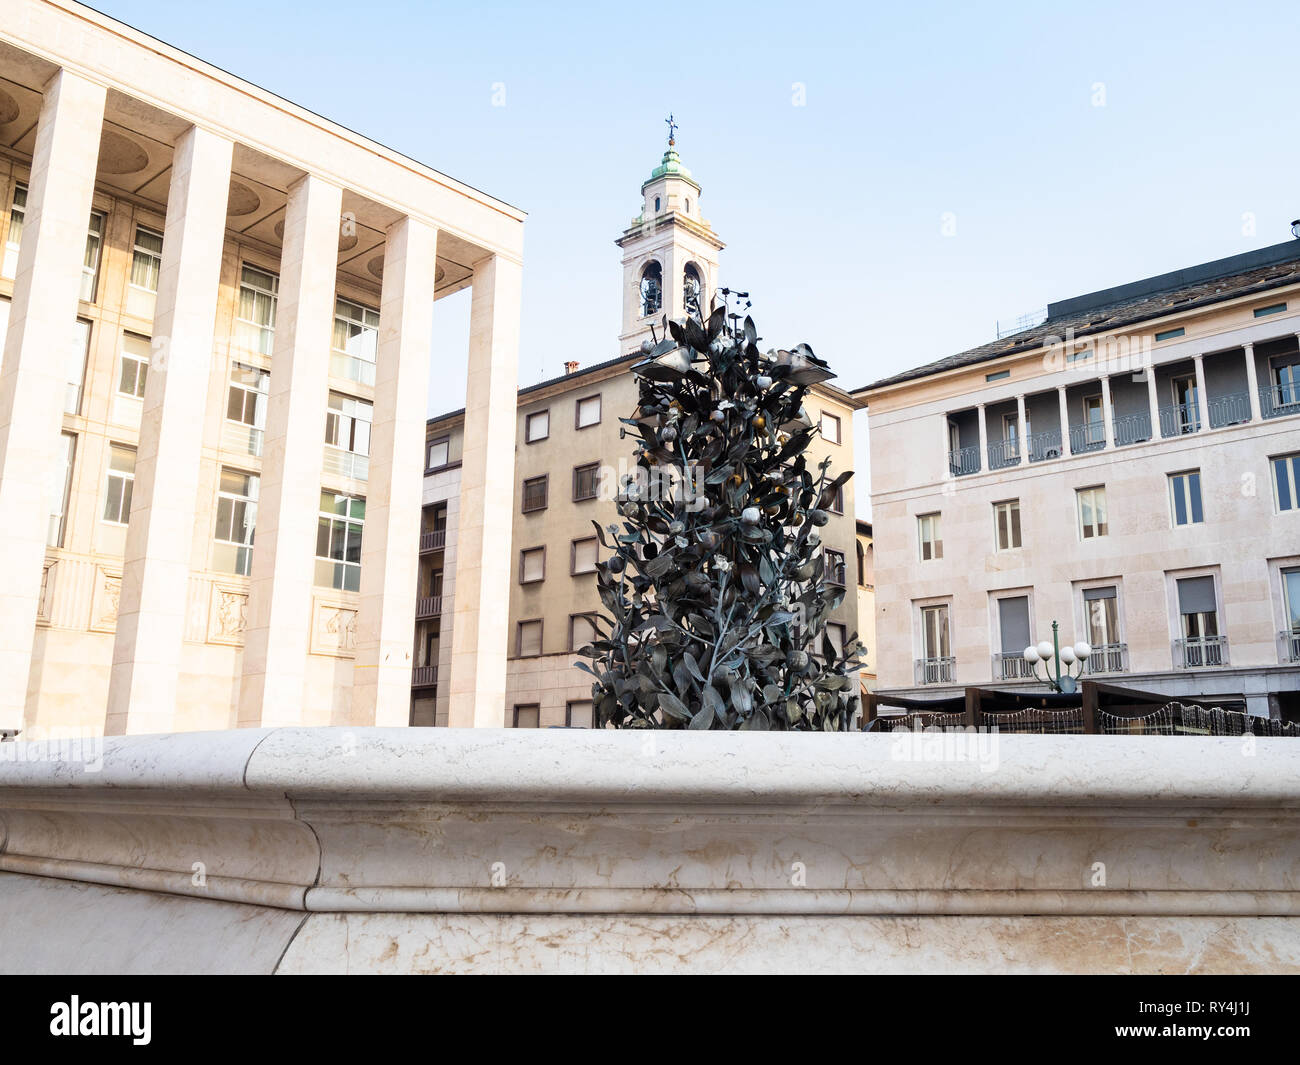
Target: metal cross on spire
x,y
672,130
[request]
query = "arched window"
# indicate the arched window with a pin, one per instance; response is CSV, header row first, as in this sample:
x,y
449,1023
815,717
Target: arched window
x,y
656,204
652,289
862,566
692,287
688,205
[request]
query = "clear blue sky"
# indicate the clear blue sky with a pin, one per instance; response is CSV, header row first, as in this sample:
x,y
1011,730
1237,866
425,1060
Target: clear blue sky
x,y
833,212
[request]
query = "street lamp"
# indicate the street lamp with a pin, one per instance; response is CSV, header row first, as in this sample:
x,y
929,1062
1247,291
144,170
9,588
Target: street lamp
x,y
1052,653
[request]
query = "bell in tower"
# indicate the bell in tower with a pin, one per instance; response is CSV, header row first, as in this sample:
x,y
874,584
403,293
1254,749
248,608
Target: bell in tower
x,y
670,252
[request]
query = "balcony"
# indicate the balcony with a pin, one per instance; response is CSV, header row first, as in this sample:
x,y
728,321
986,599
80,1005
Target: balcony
x,y
1232,409
1288,644
1003,453
433,541
964,460
936,670
1088,437
1106,658
1275,401
1201,652
1044,447
1132,429
428,606
424,676
1008,666
1179,419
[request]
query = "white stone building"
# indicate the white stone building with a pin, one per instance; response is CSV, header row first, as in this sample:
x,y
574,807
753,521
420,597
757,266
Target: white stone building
x,y
1129,468
218,313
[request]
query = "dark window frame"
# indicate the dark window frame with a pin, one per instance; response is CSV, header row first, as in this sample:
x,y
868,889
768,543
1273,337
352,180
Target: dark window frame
x,y
524,551
527,421
524,508
595,487
842,565
514,719
839,428
577,407
573,555
581,614
568,712
428,447
519,637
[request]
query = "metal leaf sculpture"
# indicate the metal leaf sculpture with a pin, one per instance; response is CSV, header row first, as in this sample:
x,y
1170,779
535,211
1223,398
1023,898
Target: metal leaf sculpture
x,y
715,582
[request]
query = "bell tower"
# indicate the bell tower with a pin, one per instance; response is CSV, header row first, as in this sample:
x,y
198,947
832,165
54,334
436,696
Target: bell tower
x,y
670,252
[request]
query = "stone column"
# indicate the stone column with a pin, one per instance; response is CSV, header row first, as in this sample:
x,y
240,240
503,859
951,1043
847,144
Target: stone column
x,y
1022,431
1202,399
1107,411
280,593
159,540
33,379
1252,383
984,439
1153,399
480,621
1065,420
390,546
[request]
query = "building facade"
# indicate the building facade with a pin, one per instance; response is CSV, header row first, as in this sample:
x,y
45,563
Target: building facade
x,y
570,454
217,310
866,594
1129,468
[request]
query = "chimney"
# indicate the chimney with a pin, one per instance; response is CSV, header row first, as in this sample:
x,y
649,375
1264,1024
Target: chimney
x,y
570,367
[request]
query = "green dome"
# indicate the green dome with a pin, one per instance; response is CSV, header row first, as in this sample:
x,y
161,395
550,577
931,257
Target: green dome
x,y
670,166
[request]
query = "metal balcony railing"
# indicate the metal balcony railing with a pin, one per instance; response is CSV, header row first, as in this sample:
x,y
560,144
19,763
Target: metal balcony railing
x,y
1012,666
424,676
1003,453
1288,643
1132,428
433,541
1179,419
936,670
964,460
1201,652
1106,658
1232,409
1043,447
1088,437
428,606
1275,401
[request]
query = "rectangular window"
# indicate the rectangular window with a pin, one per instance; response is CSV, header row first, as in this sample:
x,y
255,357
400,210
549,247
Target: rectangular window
x,y
236,519
537,426
258,291
587,412
836,505
1094,426
1013,625
830,428
1185,498
1092,512
439,453
1198,611
835,571
528,639
338,541
1186,404
1102,608
90,264
997,375
1170,334
78,353
580,713
1291,600
347,423
1286,481
586,480
356,341
14,238
532,565
136,351
582,631
837,634
934,631
528,716
1006,525
535,494
121,479
583,556
246,408
1274,308
59,516
146,258
930,536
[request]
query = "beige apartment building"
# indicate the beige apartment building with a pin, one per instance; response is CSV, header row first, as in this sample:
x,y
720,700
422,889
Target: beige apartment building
x,y
1129,468
217,313
570,454
866,595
